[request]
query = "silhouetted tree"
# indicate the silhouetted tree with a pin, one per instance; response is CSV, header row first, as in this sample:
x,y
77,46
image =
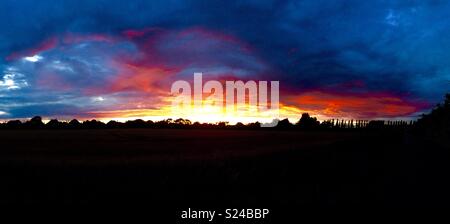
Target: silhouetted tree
x,y
436,124
114,124
139,123
14,124
254,125
74,123
163,123
222,124
54,124
35,122
307,122
183,122
150,124
326,124
284,124
196,125
93,124
376,124
239,125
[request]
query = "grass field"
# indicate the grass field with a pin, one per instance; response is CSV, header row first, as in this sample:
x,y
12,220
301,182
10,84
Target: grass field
x,y
221,168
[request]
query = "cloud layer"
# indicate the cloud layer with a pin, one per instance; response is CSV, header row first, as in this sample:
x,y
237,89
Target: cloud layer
x,y
335,59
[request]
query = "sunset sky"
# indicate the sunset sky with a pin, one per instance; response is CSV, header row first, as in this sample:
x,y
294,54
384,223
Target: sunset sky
x,y
117,59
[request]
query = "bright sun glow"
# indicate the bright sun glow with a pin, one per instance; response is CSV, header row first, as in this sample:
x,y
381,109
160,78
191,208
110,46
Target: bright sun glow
x,y
208,114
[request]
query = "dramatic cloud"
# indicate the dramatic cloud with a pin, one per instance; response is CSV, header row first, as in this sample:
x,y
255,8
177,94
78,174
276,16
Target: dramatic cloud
x,y
78,75
356,106
377,59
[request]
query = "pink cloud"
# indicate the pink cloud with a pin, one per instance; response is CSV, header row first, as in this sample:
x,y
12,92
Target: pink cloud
x,y
44,46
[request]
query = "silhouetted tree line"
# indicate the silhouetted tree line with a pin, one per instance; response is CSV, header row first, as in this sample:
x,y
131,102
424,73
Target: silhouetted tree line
x,y
437,123
306,122
310,123
37,123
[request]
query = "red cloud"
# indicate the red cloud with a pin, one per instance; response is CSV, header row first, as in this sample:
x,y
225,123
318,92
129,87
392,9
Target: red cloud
x,y
141,77
366,105
161,55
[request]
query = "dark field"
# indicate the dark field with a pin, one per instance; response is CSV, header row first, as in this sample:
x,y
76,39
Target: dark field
x,y
222,168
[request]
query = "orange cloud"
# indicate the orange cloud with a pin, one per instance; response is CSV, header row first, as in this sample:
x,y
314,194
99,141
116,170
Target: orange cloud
x,y
365,105
141,78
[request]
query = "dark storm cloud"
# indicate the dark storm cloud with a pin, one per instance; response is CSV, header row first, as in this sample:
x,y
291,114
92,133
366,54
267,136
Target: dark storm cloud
x,y
352,47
